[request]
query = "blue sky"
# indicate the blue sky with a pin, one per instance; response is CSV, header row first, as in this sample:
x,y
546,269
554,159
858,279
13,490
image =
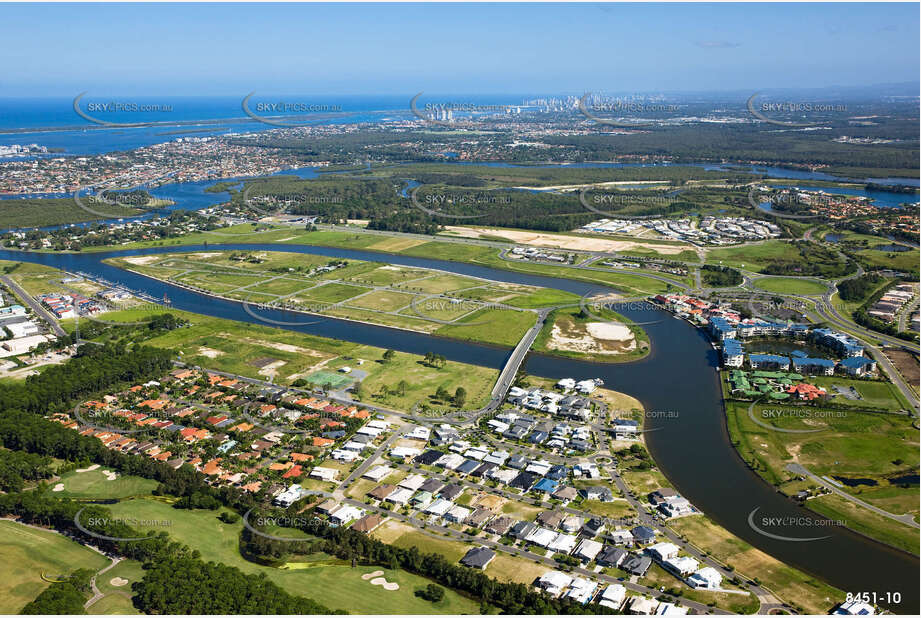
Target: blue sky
x,y
212,49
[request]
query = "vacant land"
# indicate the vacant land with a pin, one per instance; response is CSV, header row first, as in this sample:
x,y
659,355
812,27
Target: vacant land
x,y
791,285
27,552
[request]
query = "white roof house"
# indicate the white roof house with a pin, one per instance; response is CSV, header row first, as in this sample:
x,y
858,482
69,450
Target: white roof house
x,y
588,549
707,577
419,433
457,515
682,565
404,452
643,606
503,475
476,453
855,608
572,523
566,383
377,473
541,537
344,455
670,609
663,551
539,467
400,496
324,474
581,590
412,482
563,543
621,537
451,461
613,596
439,507
346,514
554,582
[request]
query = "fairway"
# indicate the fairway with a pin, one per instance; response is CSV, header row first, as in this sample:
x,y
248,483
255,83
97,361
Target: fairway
x,y
26,553
95,484
791,285
325,579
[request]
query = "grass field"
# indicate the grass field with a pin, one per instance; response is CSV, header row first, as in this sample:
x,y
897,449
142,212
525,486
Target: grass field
x,y
327,580
94,484
791,285
752,257
26,553
117,599
794,587
870,449
226,345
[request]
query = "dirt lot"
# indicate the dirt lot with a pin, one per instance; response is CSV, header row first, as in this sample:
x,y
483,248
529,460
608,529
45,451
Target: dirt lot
x,y
591,337
571,243
906,363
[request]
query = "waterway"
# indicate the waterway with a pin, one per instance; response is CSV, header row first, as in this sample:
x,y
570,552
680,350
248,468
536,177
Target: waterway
x,y
678,383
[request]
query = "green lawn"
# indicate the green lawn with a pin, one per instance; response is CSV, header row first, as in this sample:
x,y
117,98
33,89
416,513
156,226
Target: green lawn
x,y
791,285
26,553
324,579
94,484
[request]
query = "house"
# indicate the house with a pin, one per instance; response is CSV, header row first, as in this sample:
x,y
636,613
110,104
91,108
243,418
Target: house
x,y
663,551
478,558
428,458
412,482
814,366
593,527
636,565
524,481
662,495
368,523
855,608
344,515
670,609
546,486
581,590
382,491
478,517
597,492
643,535
542,537
439,507
522,530
565,494
572,524
444,434
289,496
422,499
707,577
553,582
457,515
419,433
642,606
611,556
499,526
682,566
377,473
587,550
403,452
433,486
550,519
324,474
613,597
483,470
400,496
468,466
327,507
451,492
563,543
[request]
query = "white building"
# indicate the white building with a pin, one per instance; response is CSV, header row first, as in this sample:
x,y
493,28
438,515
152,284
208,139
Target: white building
x,y
663,551
554,582
588,549
613,596
707,577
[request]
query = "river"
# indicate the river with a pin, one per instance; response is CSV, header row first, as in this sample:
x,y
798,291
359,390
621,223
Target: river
x,y
677,383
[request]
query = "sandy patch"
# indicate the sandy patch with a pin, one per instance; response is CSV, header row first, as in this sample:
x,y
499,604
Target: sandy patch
x,y
204,256
284,239
209,352
142,260
611,332
90,469
110,475
271,370
570,243
58,487
118,581
383,583
592,338
372,574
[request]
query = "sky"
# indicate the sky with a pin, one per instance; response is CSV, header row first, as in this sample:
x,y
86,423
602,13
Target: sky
x,y
226,49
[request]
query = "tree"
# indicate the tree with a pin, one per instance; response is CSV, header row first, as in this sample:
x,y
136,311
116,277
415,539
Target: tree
x,y
401,387
460,396
432,592
388,355
442,394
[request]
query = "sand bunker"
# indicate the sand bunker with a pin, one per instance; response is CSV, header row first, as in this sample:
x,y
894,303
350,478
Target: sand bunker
x,y
58,487
118,581
383,583
595,338
110,476
90,469
372,574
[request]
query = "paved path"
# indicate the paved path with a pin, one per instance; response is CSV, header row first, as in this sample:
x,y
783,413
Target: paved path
x,y
96,593
907,519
